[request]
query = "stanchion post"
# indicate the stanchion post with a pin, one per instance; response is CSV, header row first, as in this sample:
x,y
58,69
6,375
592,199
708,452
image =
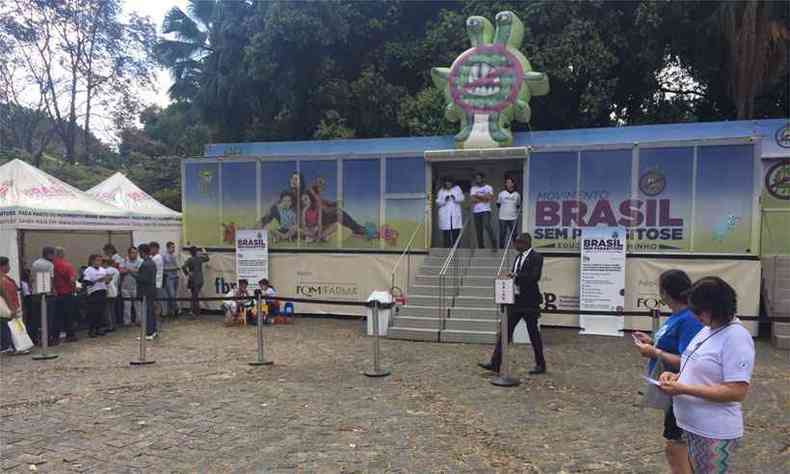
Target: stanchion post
x,y
656,320
259,329
377,370
45,355
504,379
141,358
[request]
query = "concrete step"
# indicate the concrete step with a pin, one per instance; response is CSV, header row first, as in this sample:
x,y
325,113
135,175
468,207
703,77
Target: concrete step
x,y
467,301
413,334
426,290
419,322
422,300
475,325
474,313
486,261
418,311
473,270
433,280
469,337
781,329
781,342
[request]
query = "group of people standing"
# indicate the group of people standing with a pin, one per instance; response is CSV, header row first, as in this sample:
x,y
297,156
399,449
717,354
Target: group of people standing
x,y
482,196
108,292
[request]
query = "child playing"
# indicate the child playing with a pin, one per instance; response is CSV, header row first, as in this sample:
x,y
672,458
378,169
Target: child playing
x,y
235,309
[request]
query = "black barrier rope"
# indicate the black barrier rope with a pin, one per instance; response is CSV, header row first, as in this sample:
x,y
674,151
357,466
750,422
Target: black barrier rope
x,y
636,314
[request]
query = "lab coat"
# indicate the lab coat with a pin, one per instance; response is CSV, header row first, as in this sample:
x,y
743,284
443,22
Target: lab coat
x,y
450,210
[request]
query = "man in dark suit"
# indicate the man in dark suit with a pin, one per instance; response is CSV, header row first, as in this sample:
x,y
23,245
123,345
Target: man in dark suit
x,y
525,272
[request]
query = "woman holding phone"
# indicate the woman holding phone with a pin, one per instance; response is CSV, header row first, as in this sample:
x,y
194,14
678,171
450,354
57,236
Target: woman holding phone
x,y
715,373
663,352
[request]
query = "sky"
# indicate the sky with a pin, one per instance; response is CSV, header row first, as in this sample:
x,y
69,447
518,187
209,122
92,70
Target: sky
x,y
156,10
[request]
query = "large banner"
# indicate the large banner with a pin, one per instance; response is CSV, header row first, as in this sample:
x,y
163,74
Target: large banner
x,y
776,207
602,279
560,286
570,191
317,204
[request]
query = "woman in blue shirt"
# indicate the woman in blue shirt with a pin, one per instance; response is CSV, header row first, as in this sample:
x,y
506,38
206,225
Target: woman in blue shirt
x,y
664,351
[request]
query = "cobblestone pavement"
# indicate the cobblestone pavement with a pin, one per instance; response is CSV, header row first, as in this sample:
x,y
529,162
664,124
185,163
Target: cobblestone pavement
x,y
201,408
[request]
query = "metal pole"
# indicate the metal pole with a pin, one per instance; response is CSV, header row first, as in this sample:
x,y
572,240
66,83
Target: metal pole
x,y
45,355
377,370
141,359
259,333
655,320
504,379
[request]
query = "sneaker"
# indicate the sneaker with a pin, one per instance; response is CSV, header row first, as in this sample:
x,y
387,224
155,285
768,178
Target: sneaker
x,y
152,336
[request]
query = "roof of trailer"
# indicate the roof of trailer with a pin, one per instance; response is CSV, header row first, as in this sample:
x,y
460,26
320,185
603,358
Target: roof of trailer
x,y
767,129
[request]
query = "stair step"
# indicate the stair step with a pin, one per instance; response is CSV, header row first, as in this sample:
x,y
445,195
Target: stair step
x,y
485,261
475,325
431,290
415,322
781,342
474,270
413,334
467,301
433,280
469,337
474,313
418,311
781,329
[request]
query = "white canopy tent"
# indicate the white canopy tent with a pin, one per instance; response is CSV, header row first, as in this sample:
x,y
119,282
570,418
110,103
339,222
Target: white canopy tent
x,y
37,209
153,221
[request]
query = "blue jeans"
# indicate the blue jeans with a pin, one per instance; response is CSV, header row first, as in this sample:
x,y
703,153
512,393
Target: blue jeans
x,y
505,229
170,290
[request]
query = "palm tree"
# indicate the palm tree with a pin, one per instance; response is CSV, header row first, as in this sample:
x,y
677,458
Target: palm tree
x,y
186,50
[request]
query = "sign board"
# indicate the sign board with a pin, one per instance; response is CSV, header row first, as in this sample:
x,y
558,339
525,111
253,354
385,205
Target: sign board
x,y
43,283
602,279
503,291
252,255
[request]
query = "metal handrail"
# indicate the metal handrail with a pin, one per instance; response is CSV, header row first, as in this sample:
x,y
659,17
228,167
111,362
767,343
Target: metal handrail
x,y
451,265
407,254
507,248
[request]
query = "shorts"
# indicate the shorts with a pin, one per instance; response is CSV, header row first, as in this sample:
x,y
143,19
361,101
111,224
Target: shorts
x,y
672,431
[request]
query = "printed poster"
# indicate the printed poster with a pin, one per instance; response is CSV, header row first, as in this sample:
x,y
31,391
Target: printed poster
x,y
602,279
252,255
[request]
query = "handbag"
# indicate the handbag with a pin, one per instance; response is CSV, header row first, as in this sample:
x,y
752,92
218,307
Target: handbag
x,y
19,336
654,396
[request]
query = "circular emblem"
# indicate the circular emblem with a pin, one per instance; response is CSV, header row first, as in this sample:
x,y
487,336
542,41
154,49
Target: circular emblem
x,y
777,180
652,183
486,79
783,136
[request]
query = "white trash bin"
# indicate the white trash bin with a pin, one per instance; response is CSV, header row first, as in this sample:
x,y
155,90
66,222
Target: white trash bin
x,y
383,297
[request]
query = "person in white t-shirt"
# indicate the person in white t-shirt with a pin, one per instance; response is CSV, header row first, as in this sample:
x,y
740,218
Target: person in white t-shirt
x,y
110,313
714,378
482,195
95,278
509,204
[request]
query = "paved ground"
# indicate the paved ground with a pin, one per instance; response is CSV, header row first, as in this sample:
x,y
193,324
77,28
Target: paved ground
x,y
201,408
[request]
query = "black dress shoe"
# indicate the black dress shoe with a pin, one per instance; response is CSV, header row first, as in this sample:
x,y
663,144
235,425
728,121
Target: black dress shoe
x,y
538,370
489,366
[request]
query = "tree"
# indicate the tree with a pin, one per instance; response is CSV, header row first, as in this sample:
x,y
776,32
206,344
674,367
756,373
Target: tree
x,y
75,51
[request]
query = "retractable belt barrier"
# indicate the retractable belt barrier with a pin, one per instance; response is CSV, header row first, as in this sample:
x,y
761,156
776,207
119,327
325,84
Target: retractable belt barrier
x,y
260,360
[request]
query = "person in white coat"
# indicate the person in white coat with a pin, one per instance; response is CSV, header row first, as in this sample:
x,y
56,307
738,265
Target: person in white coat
x,y
449,200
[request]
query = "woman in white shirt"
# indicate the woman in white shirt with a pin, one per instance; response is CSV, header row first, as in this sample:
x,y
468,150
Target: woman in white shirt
x,y
449,200
715,373
111,313
95,278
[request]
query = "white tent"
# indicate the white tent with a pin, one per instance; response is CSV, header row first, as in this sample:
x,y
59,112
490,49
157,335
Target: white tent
x,y
154,221
37,209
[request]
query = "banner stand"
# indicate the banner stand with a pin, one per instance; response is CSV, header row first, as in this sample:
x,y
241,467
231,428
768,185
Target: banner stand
x,y
504,379
45,354
259,361
141,359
